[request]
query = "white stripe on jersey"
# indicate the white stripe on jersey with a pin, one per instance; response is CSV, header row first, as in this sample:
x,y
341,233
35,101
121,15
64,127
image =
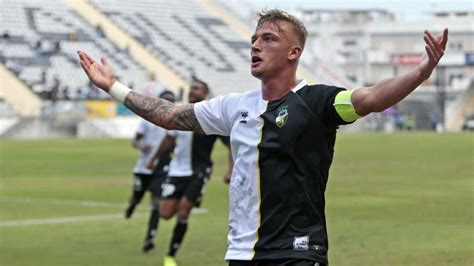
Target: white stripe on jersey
x,y
181,164
239,116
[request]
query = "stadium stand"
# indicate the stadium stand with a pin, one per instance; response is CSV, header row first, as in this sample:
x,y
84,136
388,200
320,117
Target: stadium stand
x,y
17,98
176,40
206,47
39,44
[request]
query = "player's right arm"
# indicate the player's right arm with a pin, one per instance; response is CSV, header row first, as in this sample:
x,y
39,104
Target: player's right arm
x,y
158,111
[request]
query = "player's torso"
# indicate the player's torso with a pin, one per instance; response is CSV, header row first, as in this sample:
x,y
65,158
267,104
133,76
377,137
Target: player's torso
x,y
152,137
269,204
192,153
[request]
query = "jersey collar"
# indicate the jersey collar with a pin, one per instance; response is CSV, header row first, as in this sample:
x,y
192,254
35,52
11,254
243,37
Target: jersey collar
x,y
300,85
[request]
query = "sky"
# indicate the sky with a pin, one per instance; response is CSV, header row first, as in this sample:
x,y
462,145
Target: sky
x,y
403,9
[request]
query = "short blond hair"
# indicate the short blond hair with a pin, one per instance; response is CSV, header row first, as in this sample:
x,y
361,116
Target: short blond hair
x,y
275,15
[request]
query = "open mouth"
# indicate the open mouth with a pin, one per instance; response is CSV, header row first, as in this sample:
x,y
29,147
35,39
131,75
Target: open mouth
x,y
256,61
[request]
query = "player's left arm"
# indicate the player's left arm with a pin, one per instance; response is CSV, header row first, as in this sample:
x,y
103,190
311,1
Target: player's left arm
x,y
391,91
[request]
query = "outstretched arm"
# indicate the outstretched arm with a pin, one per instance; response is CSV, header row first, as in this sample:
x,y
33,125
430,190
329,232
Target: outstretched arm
x,y
163,113
158,111
390,91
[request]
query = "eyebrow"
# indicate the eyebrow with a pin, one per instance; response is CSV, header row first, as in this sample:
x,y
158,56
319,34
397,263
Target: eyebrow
x,y
265,34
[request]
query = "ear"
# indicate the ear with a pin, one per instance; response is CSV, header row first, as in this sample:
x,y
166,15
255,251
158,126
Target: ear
x,y
294,53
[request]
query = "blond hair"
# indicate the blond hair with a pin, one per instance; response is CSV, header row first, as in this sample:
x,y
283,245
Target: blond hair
x,y
275,15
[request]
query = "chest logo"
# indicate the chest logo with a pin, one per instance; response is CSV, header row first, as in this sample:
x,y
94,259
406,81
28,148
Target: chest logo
x,y
282,115
243,117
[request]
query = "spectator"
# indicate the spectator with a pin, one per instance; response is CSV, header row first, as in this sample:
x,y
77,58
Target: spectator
x,y
54,91
409,122
57,47
43,76
66,93
6,35
400,121
100,31
46,47
72,36
434,120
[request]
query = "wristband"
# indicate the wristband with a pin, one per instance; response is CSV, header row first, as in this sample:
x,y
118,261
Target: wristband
x,y
119,92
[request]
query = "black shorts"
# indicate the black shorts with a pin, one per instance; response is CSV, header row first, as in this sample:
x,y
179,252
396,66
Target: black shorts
x,y
152,183
192,187
279,262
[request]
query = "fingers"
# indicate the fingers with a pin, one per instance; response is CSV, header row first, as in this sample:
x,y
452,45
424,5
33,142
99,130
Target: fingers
x,y
84,66
435,49
429,52
85,62
104,61
444,39
85,58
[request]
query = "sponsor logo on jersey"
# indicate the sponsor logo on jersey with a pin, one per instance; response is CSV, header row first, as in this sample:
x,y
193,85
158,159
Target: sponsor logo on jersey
x,y
243,117
282,115
301,243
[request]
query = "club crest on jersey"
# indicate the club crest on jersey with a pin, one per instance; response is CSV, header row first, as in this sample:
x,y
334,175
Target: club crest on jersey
x,y
282,115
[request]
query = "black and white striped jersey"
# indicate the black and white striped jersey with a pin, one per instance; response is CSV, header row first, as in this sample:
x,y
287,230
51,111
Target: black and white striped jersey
x,y
282,152
192,153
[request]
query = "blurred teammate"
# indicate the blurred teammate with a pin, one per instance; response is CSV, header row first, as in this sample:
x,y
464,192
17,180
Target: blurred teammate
x,y
282,138
189,171
147,139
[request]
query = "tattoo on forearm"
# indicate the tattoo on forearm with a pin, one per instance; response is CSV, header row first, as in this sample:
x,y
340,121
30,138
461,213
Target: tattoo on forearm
x,y
163,113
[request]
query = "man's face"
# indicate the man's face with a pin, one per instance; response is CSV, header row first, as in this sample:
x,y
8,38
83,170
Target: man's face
x,y
270,48
197,92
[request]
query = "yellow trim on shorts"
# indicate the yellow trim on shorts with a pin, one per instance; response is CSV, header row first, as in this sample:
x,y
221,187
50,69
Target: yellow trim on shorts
x,y
344,108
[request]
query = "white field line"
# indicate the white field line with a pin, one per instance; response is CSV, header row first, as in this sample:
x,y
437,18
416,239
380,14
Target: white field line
x,y
71,219
84,203
62,220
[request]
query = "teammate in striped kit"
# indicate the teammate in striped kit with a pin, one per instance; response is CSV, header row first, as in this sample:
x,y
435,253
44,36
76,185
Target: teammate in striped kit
x,y
148,139
282,138
189,171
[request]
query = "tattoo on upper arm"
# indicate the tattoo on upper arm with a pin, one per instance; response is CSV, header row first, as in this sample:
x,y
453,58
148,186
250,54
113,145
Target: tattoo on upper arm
x,y
185,118
163,113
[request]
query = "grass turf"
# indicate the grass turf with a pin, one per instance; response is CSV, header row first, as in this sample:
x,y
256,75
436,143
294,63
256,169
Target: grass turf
x,y
392,199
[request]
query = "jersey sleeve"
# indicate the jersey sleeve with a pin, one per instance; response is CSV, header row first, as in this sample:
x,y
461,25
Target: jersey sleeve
x,y
331,104
215,116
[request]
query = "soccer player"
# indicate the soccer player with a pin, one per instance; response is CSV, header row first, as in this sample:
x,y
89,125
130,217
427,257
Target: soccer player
x,y
188,174
147,139
282,139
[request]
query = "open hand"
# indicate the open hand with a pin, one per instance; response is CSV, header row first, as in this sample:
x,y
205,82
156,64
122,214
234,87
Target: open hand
x,y
100,74
434,47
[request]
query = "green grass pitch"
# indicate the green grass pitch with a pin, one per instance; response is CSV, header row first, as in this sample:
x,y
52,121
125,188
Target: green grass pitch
x,y
392,199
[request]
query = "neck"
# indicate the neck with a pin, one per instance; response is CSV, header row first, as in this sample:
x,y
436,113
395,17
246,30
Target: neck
x,y
276,88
